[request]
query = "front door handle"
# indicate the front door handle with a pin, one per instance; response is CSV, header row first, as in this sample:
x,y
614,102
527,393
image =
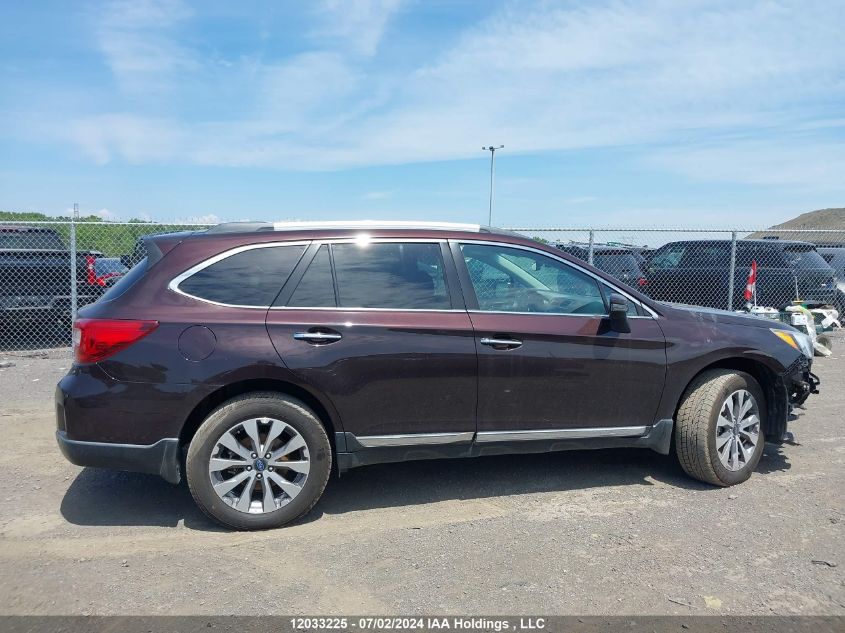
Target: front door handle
x,y
501,343
318,338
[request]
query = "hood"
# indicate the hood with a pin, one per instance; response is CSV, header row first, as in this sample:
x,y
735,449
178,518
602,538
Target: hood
x,y
713,315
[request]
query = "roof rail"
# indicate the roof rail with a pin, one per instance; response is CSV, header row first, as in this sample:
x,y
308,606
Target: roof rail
x,y
249,227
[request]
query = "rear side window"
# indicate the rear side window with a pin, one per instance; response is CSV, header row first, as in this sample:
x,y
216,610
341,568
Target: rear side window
x,y
250,278
316,289
126,282
406,276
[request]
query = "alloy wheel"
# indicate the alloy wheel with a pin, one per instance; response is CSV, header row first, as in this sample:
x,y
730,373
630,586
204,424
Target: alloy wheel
x,y
737,430
259,465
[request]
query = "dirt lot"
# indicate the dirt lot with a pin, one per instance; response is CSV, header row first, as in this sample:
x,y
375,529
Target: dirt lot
x,y
600,532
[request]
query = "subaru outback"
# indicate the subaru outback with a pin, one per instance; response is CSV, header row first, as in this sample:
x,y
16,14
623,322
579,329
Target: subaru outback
x,y
257,358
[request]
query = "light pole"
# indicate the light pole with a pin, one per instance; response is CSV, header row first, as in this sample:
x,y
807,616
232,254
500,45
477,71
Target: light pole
x,y
492,149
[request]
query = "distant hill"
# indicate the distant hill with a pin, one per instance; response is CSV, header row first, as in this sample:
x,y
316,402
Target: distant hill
x,y
801,228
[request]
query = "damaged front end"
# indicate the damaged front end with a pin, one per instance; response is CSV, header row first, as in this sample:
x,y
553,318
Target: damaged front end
x,y
800,382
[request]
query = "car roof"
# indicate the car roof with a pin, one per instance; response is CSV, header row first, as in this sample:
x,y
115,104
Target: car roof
x,y
746,241
350,225
10,228
607,249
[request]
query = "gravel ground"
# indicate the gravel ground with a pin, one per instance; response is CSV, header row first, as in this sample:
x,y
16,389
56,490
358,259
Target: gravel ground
x,y
598,532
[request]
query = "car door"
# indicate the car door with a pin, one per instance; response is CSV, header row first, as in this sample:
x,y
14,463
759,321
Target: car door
x,y
380,329
547,358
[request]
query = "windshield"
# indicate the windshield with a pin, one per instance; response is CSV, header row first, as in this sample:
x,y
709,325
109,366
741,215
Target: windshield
x,y
801,256
30,240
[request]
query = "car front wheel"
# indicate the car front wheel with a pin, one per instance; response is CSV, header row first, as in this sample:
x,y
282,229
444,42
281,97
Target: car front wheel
x,y
258,461
718,432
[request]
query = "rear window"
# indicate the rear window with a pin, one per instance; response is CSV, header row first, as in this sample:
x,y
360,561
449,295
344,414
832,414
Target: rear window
x,y
126,282
250,278
617,264
669,256
30,240
108,266
801,256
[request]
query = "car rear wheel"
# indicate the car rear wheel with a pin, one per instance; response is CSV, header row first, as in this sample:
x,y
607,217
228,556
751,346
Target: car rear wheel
x,y
258,461
718,432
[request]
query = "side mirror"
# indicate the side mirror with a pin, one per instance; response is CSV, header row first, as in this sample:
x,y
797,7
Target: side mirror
x,y
619,313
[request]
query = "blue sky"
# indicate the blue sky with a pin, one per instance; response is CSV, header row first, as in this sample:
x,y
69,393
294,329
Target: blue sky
x,y
647,113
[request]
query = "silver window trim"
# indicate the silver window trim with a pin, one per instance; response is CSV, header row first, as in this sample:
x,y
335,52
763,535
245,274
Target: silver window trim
x,y
599,279
174,283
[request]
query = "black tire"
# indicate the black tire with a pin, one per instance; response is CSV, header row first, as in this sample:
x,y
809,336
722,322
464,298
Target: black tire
x,y
695,426
256,405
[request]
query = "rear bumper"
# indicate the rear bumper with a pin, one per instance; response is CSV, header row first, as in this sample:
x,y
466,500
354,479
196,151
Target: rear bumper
x,y
161,458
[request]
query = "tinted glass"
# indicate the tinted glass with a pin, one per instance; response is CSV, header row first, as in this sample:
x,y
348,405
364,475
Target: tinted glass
x,y
768,256
632,307
622,265
249,278
397,276
706,255
316,289
127,281
513,280
801,256
30,240
668,256
108,265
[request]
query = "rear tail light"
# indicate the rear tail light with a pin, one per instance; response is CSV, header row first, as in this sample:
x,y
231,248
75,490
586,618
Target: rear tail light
x,y
96,339
642,282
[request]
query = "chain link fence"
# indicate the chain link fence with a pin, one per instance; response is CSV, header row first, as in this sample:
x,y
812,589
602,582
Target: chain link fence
x,y
48,270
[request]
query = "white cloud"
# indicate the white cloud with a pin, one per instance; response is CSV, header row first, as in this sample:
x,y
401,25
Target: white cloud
x,y
138,43
534,77
357,24
377,195
771,162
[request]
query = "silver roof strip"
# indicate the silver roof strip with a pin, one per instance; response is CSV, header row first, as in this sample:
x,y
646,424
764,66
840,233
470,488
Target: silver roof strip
x,y
375,224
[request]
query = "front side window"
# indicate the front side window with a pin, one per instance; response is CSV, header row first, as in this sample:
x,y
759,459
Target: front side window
x,y
398,276
249,278
514,280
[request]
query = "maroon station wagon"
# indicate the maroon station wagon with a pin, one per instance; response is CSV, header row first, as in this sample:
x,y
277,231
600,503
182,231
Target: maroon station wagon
x,y
255,357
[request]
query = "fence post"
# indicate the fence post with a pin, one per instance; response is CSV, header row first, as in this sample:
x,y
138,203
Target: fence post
x,y
73,275
590,250
732,272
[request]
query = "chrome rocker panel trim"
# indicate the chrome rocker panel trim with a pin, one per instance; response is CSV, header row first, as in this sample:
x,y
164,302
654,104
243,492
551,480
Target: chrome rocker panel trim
x,y
353,452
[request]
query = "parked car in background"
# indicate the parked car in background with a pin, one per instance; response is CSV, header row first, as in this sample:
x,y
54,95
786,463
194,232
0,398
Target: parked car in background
x,y
835,258
697,272
35,275
621,262
103,272
261,356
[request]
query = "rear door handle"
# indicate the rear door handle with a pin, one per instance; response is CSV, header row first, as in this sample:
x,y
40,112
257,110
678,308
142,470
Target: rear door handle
x,y
318,337
501,343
